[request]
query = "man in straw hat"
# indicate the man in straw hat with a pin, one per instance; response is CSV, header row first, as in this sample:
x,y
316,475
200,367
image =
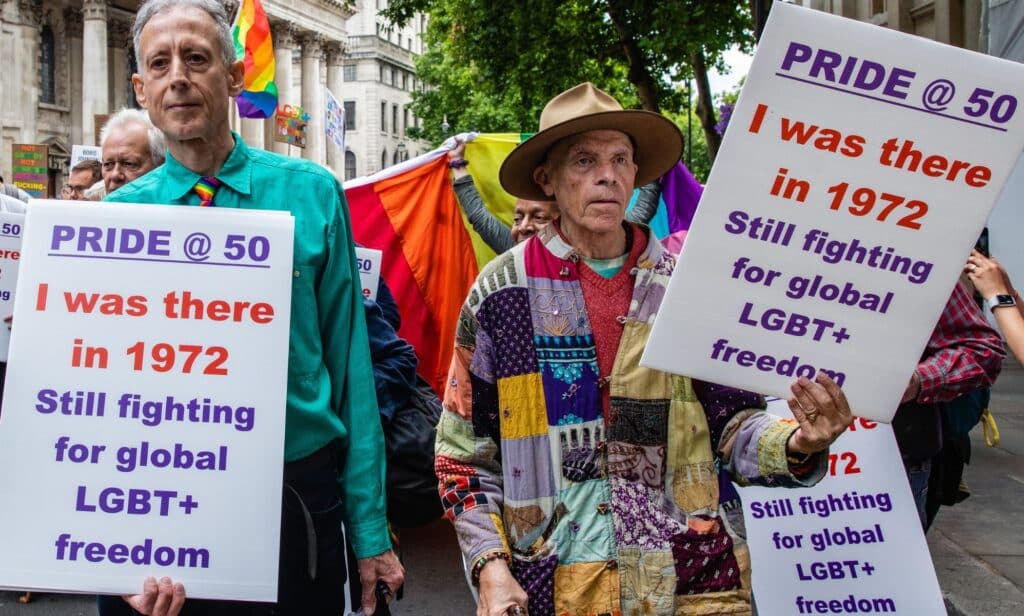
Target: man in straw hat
x,y
578,481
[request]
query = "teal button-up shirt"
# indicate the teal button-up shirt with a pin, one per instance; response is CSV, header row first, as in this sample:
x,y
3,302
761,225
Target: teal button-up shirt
x,y
330,377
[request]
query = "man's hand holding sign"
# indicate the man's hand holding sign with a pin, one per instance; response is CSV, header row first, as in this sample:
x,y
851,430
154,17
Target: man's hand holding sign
x,y
821,409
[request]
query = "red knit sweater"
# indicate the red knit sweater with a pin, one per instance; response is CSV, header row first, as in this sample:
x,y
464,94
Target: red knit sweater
x,y
607,299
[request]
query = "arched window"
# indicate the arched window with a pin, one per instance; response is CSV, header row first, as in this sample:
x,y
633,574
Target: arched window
x,y
394,158
47,66
350,165
384,158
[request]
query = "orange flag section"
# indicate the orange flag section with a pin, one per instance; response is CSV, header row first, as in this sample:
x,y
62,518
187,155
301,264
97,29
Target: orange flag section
x,y
428,233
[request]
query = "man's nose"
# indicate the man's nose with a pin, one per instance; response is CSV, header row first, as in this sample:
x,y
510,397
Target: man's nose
x,y
178,71
606,173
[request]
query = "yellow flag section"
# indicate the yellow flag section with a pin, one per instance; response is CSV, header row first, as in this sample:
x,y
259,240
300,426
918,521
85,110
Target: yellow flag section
x,y
486,152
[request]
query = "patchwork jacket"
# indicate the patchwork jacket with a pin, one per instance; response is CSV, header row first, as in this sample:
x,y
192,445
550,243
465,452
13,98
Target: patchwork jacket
x,y
617,517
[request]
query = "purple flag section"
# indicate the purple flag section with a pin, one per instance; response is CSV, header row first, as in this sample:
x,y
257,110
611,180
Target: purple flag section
x,y
681,193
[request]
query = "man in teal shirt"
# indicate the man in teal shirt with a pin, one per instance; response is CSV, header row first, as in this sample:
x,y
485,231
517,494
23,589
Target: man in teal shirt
x,y
333,439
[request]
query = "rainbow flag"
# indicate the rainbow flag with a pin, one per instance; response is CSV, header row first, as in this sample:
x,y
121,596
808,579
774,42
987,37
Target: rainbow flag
x,y
254,47
432,255
409,212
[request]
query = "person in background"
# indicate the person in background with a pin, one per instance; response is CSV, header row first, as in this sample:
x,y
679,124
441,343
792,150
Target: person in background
x,y
1001,299
131,146
82,177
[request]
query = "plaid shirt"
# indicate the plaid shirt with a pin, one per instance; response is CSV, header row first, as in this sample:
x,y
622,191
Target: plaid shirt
x,y
963,353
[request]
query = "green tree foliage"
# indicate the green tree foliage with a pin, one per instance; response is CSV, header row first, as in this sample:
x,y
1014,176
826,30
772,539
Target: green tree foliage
x,y
493,65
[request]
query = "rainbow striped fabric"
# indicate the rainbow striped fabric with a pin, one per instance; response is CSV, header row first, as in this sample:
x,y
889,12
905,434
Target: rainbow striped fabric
x,y
254,47
206,188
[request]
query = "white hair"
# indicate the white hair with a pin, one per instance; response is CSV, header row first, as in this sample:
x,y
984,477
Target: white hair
x,y
214,9
126,117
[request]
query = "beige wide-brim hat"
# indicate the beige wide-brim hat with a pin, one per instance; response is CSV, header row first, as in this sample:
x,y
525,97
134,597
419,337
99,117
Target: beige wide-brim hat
x,y
657,141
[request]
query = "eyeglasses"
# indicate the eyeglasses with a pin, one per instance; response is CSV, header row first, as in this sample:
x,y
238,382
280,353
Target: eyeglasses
x,y
70,190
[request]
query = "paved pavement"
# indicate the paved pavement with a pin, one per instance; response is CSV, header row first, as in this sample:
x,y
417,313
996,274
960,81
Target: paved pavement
x,y
977,546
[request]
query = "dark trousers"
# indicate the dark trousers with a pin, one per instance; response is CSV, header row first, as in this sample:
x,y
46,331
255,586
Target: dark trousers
x,y
311,487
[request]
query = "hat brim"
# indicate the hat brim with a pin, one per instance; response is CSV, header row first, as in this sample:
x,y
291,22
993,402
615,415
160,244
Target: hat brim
x,y
657,141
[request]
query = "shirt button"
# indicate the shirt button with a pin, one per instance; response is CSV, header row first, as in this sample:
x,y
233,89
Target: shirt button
x,y
603,508
297,274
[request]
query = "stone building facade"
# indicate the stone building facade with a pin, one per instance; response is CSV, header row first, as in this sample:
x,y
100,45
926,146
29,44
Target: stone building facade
x,y
954,22
66,64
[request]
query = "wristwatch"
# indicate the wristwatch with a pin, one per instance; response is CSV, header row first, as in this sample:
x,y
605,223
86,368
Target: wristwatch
x,y
1000,301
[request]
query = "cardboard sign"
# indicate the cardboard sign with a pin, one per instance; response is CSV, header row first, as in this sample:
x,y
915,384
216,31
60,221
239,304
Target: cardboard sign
x,y
852,544
856,175
84,152
142,430
369,262
11,227
291,123
31,171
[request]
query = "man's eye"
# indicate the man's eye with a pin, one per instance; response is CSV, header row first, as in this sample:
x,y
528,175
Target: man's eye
x,y
107,166
196,58
130,166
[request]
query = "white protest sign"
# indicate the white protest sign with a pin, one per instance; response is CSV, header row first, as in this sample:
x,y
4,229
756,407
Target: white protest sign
x,y
11,227
142,430
852,544
85,152
369,261
857,172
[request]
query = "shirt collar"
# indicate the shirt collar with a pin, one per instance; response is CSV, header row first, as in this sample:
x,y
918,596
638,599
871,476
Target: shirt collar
x,y
236,172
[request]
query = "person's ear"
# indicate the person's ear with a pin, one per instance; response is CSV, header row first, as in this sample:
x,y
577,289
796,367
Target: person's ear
x,y
543,179
236,78
140,90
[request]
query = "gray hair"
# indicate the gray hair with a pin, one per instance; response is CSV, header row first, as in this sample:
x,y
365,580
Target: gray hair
x,y
126,117
214,9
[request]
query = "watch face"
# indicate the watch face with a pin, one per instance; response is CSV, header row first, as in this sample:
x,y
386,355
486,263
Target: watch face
x,y
1005,300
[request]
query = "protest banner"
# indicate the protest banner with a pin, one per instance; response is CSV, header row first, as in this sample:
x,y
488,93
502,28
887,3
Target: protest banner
x,y
142,430
852,544
11,227
858,170
84,152
334,116
369,261
29,163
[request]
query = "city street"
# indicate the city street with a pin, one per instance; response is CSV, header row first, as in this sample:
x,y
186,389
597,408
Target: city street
x,y
977,548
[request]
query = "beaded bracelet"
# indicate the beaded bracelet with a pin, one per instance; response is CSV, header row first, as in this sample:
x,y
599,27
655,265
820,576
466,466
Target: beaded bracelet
x,y
458,164
478,564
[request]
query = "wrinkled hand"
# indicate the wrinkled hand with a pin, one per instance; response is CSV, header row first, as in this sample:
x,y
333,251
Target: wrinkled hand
x,y
384,567
498,590
158,599
822,411
988,275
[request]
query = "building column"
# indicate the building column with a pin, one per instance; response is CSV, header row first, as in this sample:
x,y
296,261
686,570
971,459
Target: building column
x,y
119,37
95,74
73,30
335,58
284,42
312,96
